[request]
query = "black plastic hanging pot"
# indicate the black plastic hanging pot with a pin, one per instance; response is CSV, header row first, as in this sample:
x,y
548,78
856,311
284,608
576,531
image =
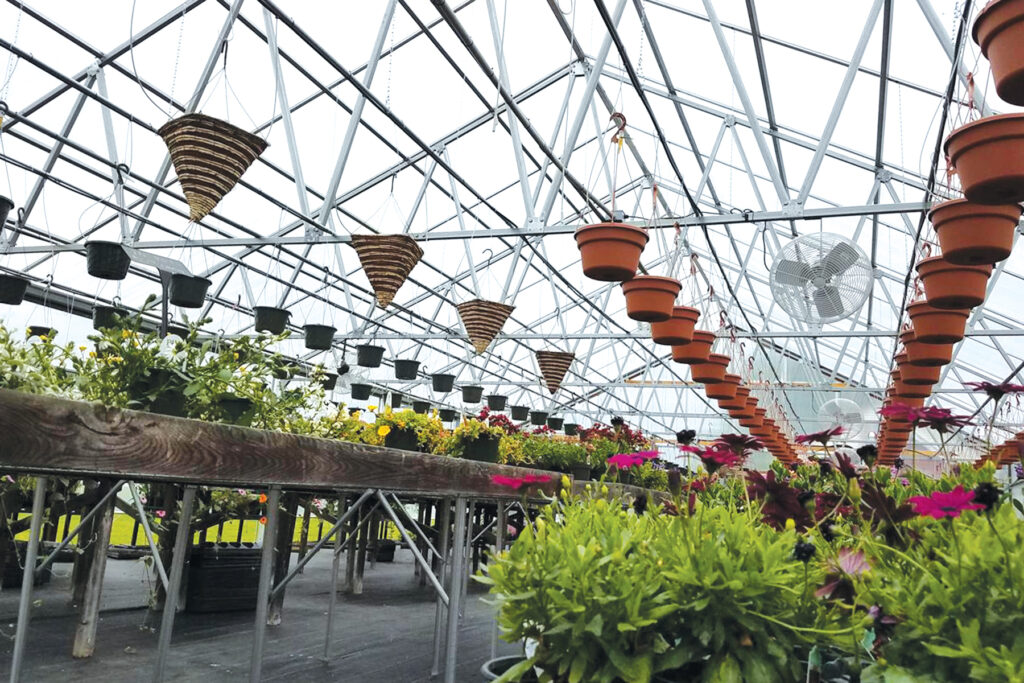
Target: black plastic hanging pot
x,y
329,381
484,448
555,422
472,394
6,205
442,382
402,439
571,429
520,412
538,418
319,337
108,317
41,331
234,408
396,399
360,392
179,330
188,291
496,401
369,356
406,369
420,407
354,411
447,414
494,668
12,288
271,319
106,260
580,471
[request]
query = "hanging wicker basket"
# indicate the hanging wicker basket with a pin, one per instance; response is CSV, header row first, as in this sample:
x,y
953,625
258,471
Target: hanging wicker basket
x,y
387,261
553,366
483,320
209,157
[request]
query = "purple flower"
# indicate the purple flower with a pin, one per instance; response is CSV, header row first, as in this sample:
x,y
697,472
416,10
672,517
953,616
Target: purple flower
x,y
939,419
740,444
821,437
996,391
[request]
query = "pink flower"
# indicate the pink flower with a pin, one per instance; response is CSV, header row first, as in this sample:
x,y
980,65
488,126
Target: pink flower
x,y
716,457
647,455
821,437
939,504
996,391
511,531
161,513
904,481
9,479
517,483
624,461
939,419
691,449
740,444
902,412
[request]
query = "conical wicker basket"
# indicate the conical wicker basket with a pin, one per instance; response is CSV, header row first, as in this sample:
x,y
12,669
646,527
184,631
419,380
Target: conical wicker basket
x,y
483,320
387,261
209,157
553,366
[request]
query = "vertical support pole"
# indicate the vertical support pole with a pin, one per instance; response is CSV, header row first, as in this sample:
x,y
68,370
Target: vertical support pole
x,y
444,521
499,545
467,566
181,543
304,535
85,634
28,580
364,532
285,534
455,589
350,552
263,591
336,560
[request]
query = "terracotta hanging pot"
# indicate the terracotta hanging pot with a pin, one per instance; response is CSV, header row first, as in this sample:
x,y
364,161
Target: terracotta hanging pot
x,y
697,350
738,401
951,286
752,423
928,355
676,330
999,32
712,371
988,155
937,325
650,298
974,234
912,390
919,374
610,252
726,389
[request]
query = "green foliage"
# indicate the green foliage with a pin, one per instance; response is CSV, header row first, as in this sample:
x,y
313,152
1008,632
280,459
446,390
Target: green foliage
x,y
958,594
553,453
610,595
649,477
469,430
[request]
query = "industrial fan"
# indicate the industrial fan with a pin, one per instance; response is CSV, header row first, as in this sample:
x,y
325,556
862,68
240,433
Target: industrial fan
x,y
821,278
842,412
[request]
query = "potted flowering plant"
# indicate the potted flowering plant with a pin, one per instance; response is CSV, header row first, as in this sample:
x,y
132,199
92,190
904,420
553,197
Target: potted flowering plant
x,y
475,440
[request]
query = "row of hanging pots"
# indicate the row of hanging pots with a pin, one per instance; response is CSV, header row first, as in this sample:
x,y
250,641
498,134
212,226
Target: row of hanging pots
x,y
1006,453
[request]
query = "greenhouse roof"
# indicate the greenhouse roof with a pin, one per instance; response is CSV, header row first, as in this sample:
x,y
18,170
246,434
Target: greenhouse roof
x,y
487,131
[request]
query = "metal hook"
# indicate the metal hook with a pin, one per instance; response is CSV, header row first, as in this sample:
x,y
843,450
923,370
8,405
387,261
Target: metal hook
x,y
620,121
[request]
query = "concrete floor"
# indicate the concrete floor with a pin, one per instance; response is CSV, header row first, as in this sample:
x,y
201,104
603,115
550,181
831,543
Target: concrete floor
x,y
384,635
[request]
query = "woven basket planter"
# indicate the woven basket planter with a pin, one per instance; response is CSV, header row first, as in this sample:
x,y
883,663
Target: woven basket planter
x,y
12,289
387,261
483,321
209,157
188,291
553,366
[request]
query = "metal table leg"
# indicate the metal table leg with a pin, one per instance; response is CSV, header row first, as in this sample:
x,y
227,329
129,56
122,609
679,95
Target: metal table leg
x,y
181,543
443,524
28,579
266,576
455,592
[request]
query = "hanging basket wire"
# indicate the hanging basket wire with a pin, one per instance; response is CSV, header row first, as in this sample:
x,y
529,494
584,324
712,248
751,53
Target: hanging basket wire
x,y
209,157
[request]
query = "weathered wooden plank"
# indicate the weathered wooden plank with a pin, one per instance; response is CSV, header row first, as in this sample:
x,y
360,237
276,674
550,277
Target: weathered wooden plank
x,y
47,434
85,634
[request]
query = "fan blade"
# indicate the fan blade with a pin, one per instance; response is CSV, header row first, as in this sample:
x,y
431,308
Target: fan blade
x,y
794,273
839,259
828,301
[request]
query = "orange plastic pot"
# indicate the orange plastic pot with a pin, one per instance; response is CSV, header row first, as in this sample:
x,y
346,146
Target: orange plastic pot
x,y
610,252
921,354
919,374
988,155
726,389
974,234
913,390
697,350
676,330
738,401
999,31
650,298
937,325
712,371
949,286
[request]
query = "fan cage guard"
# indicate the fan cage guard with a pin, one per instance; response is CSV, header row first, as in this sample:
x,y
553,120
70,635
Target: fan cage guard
x,y
821,278
843,412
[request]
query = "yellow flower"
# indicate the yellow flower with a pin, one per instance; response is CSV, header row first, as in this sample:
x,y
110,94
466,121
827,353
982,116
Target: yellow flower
x,y
371,408
44,338
790,524
81,348
401,425
125,334
92,354
383,430
235,355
